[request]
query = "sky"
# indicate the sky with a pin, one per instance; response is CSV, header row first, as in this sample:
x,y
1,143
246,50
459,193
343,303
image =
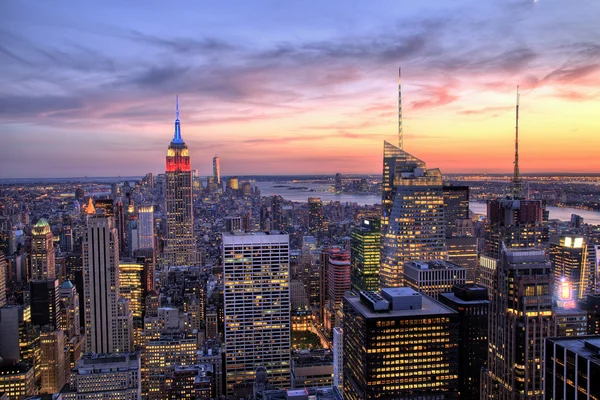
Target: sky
x,y
297,87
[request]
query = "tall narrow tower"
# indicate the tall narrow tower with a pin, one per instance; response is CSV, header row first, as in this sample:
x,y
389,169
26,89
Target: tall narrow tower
x,y
42,251
108,322
217,170
180,248
400,133
517,182
412,221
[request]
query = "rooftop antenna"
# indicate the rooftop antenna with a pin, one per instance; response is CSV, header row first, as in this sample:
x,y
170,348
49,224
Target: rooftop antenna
x,y
517,183
400,134
177,137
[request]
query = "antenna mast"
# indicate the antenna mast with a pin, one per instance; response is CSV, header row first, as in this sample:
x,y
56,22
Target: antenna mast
x,y
517,183
400,134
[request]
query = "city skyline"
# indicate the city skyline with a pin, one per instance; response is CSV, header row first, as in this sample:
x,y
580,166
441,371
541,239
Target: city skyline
x,y
296,89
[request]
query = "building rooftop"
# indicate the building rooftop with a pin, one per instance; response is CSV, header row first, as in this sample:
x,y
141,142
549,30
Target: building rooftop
x,y
455,299
585,346
428,306
433,264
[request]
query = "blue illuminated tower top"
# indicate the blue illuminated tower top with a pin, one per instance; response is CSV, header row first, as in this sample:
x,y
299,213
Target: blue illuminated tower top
x,y
177,138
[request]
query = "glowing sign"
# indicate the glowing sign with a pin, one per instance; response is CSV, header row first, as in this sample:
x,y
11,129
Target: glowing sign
x,y
565,289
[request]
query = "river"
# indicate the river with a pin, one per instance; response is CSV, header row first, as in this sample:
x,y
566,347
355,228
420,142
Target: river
x,y
301,191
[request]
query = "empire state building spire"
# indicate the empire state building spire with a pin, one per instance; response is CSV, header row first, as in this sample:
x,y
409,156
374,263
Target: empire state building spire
x,y
177,138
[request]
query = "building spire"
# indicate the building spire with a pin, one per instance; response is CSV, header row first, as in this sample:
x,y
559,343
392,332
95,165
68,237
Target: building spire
x,y
400,134
177,137
517,182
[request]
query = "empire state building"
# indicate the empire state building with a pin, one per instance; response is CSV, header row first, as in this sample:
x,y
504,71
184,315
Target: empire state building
x,y
180,246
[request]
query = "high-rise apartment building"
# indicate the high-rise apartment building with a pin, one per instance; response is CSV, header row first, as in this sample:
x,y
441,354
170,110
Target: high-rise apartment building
x,y
569,258
472,304
108,322
315,216
42,251
338,283
180,243
520,318
217,170
145,227
257,307
572,367
413,214
105,376
433,277
365,242
400,345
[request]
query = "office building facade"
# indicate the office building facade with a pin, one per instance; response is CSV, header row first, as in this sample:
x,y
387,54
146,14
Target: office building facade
x,y
572,368
399,345
106,376
433,277
108,324
521,318
569,258
365,242
413,214
257,307
472,304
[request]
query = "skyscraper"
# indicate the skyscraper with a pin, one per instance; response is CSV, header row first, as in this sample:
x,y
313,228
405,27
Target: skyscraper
x,y
217,171
461,244
146,227
45,298
108,325
520,318
52,360
568,255
572,368
412,199
257,307
472,304
338,282
413,214
42,251
180,245
315,216
2,279
456,207
365,242
400,345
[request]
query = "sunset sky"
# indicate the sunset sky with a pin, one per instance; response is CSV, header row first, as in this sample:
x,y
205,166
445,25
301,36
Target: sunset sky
x,y
289,87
